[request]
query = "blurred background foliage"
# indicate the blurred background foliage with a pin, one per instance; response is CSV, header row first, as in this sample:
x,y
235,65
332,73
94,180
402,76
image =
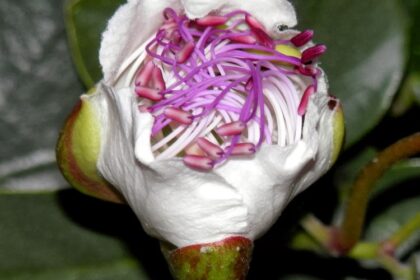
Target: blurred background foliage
x,y
48,57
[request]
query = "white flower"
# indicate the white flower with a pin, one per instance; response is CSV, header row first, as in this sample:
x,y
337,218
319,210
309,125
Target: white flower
x,y
238,195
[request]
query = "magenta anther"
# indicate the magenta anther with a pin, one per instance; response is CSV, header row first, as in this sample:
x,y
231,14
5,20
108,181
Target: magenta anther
x,y
302,38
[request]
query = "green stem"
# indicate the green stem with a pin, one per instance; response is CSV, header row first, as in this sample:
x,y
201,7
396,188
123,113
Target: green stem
x,y
397,269
317,230
364,251
405,232
351,227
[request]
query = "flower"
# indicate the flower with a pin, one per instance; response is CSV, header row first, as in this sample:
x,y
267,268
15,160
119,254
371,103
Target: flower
x,y
209,122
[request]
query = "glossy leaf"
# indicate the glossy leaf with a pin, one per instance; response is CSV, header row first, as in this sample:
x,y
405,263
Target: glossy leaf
x,y
400,173
86,20
365,58
38,87
67,235
409,94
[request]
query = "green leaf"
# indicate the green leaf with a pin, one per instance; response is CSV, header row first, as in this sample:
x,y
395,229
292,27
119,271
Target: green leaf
x,y
86,20
410,93
67,235
366,55
38,87
404,171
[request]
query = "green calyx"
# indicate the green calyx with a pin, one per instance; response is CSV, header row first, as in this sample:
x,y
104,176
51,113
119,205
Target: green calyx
x,y
78,150
224,260
338,129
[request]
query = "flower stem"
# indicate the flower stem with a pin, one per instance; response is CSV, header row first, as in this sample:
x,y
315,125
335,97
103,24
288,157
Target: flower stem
x,y
405,232
317,230
397,269
364,251
351,227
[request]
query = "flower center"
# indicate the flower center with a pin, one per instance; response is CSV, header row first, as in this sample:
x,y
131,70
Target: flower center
x,y
220,87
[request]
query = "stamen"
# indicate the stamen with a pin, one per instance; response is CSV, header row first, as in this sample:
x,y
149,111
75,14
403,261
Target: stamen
x,y
211,20
244,39
263,38
253,22
185,52
212,150
149,93
199,162
243,149
230,129
302,38
259,31
143,77
157,79
307,70
312,53
305,98
178,115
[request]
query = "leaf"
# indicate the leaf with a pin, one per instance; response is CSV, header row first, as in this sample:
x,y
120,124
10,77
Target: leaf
x,y
365,58
67,235
86,20
410,92
404,171
408,95
38,87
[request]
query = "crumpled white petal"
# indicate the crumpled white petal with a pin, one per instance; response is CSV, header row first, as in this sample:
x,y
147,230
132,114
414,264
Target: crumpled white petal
x,y
185,207
173,202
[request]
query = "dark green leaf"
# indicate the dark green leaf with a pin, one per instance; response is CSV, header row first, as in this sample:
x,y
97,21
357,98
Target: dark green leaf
x,y
410,92
401,172
366,55
69,236
408,95
38,87
86,20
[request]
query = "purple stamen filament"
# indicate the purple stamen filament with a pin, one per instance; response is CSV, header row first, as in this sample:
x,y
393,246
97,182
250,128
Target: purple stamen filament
x,y
218,87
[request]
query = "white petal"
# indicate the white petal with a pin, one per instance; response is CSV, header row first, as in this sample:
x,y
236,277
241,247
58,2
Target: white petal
x,y
173,203
318,133
117,147
185,207
129,27
200,8
270,178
